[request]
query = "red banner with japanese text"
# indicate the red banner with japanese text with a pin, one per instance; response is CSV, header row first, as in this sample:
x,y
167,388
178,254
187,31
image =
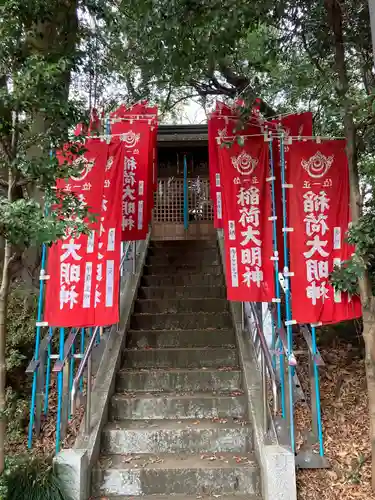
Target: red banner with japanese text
x,y
295,125
122,123
88,266
72,261
136,211
217,127
222,123
247,228
107,284
319,213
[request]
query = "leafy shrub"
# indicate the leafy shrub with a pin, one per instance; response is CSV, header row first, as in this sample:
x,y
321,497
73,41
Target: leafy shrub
x,y
31,478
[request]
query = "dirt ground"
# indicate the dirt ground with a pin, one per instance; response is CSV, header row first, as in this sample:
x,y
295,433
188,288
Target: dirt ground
x,y
346,431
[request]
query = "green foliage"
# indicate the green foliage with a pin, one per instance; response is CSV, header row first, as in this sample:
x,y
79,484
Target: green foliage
x,y
16,414
345,277
30,478
22,307
19,350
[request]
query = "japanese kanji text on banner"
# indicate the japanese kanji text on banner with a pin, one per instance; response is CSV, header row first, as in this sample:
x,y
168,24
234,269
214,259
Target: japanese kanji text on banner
x,y
319,213
247,228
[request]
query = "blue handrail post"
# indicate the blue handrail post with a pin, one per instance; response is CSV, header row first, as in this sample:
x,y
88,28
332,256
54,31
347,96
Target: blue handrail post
x,y
317,393
286,274
60,390
275,341
83,332
186,201
48,372
37,343
71,375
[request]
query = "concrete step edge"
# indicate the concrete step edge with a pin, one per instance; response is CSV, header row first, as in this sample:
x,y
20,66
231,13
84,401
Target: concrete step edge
x,y
196,425
226,313
235,369
224,496
189,395
187,332
169,461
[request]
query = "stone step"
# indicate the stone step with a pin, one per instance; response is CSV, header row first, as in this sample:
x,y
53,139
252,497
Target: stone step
x,y
177,436
197,380
197,279
175,475
171,306
180,357
178,497
180,338
182,292
183,406
192,254
167,269
184,245
180,259
181,321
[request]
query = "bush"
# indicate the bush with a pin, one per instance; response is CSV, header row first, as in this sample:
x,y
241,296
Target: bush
x,y
21,319
31,478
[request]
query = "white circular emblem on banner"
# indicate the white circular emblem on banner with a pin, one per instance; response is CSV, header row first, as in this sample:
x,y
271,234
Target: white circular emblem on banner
x,y
318,165
130,139
87,166
244,163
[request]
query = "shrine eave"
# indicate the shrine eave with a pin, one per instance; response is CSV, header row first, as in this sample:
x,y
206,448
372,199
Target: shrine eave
x,y
175,134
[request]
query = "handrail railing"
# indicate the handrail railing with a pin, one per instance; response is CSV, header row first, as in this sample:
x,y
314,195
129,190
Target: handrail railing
x,y
264,361
70,382
86,362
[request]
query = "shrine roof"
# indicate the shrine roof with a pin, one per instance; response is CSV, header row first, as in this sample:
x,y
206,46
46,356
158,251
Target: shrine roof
x,y
182,134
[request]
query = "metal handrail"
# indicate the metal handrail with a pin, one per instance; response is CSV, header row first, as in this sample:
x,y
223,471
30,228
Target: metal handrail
x,y
87,358
265,366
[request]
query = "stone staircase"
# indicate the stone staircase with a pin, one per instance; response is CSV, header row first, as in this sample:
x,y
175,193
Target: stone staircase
x,y
177,421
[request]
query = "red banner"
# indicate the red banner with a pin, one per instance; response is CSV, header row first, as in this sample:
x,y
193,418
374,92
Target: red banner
x,y
71,261
124,120
107,285
217,127
222,123
300,124
85,269
247,228
296,125
319,214
136,211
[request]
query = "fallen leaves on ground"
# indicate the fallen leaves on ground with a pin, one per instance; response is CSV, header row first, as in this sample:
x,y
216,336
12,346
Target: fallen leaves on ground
x,y
45,444
346,431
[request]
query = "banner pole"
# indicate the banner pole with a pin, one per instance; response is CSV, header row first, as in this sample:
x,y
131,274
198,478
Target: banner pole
x,y
286,275
60,390
83,332
71,375
277,283
48,372
186,208
317,392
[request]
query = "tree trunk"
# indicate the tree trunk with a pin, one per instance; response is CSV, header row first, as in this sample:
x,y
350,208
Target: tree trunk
x,y
335,19
4,292
57,38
